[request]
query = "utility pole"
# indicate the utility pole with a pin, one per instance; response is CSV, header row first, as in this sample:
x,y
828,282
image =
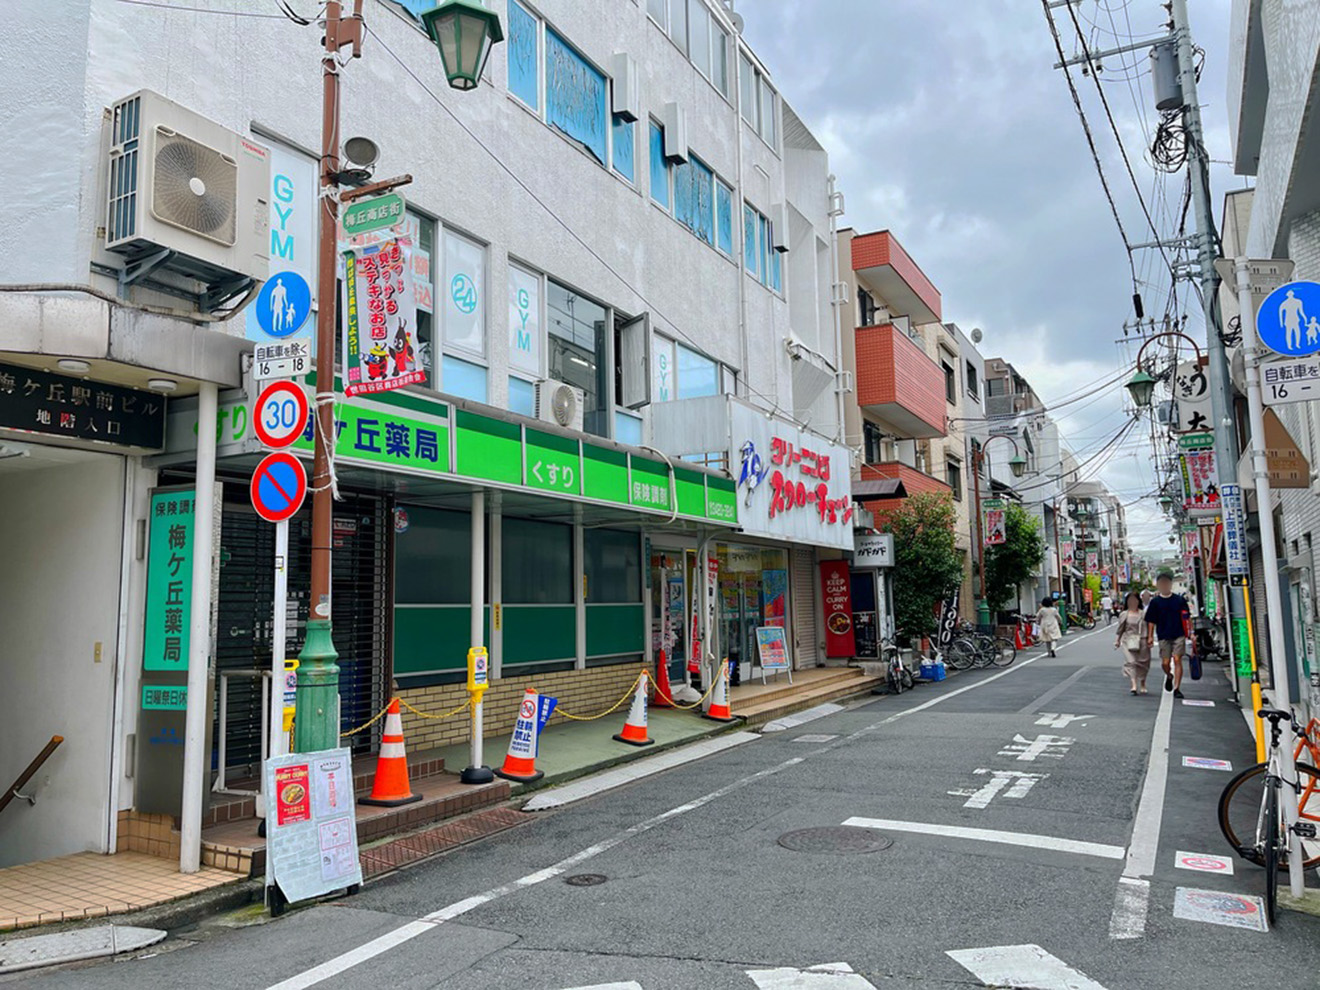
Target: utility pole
x,y
316,718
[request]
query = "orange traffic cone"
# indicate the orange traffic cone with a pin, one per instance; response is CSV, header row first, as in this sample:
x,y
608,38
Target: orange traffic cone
x,y
391,787
520,763
1017,638
663,697
634,730
719,702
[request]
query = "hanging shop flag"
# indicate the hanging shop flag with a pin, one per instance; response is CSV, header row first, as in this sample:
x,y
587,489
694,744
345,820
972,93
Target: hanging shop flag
x,y
836,600
1066,552
380,320
1200,494
1092,560
948,616
994,524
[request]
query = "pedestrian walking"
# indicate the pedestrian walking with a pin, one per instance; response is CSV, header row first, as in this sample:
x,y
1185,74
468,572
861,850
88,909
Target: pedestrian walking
x,y
1047,617
1131,639
1107,606
1165,616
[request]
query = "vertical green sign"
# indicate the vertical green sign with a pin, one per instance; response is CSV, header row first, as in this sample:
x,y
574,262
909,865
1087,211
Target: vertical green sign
x,y
1241,647
169,581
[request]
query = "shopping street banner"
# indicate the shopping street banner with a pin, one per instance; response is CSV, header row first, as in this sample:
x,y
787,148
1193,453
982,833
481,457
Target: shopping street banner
x,y
380,320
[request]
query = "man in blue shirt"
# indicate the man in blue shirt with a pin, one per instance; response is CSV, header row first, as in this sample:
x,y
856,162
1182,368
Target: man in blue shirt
x,y
1165,617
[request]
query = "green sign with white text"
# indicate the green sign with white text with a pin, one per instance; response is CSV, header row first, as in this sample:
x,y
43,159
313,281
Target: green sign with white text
x,y
376,213
169,582
380,434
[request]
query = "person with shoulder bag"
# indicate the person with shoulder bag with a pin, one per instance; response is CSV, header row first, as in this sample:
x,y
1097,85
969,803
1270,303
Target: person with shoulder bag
x,y
1132,640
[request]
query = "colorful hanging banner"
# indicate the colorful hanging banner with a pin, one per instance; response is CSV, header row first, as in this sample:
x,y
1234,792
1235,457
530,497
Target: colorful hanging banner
x,y
380,320
994,523
1200,494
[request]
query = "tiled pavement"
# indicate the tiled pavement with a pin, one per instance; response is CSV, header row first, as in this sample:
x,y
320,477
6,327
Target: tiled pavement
x,y
90,885
416,846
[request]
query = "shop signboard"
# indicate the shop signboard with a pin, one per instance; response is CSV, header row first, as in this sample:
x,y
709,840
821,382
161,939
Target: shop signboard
x,y
873,550
364,216
77,409
836,600
792,484
311,832
994,522
1235,535
1191,388
774,588
380,320
948,619
772,648
1200,494
1066,552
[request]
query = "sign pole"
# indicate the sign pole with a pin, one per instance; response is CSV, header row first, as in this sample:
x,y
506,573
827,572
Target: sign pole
x,y
1270,561
279,742
477,772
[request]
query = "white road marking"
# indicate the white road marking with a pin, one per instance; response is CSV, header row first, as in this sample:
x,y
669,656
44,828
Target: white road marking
x,y
1021,966
813,737
1131,900
801,718
1027,750
829,976
599,783
1038,703
1013,784
1216,907
1056,720
1206,763
410,930
1050,842
1198,703
1204,862
630,985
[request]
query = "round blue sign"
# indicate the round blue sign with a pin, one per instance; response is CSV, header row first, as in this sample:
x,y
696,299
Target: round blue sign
x,y
283,304
1288,321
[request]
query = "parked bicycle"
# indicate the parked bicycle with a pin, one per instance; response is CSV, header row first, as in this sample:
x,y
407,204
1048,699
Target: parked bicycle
x,y
1267,841
1240,803
1084,619
973,648
898,677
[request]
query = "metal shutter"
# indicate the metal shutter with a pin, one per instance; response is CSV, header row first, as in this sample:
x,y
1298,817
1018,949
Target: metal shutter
x,y
806,647
243,638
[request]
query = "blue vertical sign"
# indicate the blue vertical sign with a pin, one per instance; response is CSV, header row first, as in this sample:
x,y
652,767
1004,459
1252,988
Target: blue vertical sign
x,y
545,706
1235,536
292,247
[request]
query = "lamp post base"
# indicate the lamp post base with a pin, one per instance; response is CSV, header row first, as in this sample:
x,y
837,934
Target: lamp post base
x,y
983,614
477,775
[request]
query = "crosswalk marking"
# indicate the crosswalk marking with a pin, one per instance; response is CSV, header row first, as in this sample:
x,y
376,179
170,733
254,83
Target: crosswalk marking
x,y
827,976
1012,783
1027,750
1021,966
1057,720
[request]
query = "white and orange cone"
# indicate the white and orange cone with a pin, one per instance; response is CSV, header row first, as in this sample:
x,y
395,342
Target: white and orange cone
x,y
520,763
391,788
719,701
634,730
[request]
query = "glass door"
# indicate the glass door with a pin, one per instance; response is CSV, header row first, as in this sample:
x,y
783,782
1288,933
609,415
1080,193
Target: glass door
x,y
669,609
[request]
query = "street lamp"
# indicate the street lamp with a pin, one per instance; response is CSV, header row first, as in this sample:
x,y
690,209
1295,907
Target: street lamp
x,y
1142,387
465,32
1017,464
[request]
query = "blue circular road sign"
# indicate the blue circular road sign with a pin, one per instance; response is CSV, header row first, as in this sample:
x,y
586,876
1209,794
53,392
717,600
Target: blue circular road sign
x,y
283,304
1288,321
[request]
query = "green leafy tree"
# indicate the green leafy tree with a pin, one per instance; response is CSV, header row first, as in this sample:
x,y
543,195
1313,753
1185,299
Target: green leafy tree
x,y
1093,582
1015,560
927,565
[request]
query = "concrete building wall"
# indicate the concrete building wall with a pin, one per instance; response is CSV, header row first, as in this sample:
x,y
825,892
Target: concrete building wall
x,y
61,520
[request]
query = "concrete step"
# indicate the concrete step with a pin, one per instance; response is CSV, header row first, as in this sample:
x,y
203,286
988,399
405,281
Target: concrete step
x,y
766,709
776,692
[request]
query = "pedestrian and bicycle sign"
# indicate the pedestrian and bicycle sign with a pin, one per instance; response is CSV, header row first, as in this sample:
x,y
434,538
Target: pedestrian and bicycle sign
x,y
283,304
279,485
1288,321
280,415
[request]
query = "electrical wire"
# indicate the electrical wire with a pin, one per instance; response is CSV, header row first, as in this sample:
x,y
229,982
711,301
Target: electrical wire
x,y
203,10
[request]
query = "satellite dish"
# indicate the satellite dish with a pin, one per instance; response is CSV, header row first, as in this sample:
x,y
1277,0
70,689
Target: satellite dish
x,y
976,335
738,22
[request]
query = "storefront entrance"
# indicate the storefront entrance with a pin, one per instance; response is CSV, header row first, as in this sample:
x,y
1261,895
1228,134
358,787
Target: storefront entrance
x,y
753,583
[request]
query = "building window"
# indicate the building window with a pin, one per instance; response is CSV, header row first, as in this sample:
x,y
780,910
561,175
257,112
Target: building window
x,y
522,396
656,8
524,55
694,199
464,294
576,343
760,258
872,443
682,373
464,379
627,428
724,217
575,96
866,308
698,375
973,385
538,562
625,148
612,563
660,167
699,36
950,382
747,90
524,321
678,24
751,242
760,102
953,473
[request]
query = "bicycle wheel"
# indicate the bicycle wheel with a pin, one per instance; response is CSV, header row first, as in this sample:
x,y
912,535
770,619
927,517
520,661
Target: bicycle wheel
x,y
1240,810
960,655
1271,851
894,681
1088,622
906,679
1004,651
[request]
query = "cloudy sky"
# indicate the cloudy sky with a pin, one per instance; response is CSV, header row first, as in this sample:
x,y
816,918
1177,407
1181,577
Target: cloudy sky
x,y
946,124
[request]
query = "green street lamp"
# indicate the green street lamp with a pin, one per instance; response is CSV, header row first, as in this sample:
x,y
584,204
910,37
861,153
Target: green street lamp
x,y
1017,465
465,32
1142,388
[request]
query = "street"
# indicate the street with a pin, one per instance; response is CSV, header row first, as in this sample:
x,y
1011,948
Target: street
x,y
1047,760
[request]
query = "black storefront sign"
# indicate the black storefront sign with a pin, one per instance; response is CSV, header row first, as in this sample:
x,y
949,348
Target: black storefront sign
x,y
57,405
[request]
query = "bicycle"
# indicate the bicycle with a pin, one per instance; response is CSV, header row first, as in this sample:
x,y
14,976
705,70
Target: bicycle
x,y
1240,802
973,648
1085,620
1269,845
898,678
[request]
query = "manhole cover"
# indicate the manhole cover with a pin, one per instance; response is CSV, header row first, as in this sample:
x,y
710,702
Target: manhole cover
x,y
585,879
841,840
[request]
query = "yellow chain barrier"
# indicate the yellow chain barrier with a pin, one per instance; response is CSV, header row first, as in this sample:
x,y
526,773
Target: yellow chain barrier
x,y
709,691
613,708
421,714
367,724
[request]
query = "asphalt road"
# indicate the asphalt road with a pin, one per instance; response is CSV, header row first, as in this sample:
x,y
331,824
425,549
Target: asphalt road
x,y
1070,882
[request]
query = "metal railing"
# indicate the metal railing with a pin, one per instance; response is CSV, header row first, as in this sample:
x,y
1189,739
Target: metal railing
x,y
13,791
221,785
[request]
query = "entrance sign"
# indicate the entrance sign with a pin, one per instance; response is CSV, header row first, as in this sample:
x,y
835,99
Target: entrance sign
x,y
1235,531
37,402
771,648
311,833
279,485
1288,321
283,304
281,414
873,550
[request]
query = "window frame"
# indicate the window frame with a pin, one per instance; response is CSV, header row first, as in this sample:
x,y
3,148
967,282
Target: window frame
x,y
461,350
953,476
753,100
950,382
972,380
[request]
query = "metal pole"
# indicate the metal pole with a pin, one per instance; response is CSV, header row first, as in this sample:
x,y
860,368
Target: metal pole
x,y
279,741
1270,563
982,608
477,772
316,723
196,759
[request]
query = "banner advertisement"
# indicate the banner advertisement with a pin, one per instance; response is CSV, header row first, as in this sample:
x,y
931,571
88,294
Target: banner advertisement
x,y
1200,494
379,299
775,589
772,648
948,619
1092,560
1066,552
836,601
994,522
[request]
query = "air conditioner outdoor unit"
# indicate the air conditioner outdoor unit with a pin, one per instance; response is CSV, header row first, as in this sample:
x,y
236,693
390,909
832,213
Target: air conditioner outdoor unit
x,y
559,403
183,184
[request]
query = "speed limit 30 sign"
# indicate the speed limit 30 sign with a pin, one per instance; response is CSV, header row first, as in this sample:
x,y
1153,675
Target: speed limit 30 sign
x,y
281,414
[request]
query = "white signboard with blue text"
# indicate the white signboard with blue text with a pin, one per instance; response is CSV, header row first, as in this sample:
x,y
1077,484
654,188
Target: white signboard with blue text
x,y
293,247
1288,321
1235,529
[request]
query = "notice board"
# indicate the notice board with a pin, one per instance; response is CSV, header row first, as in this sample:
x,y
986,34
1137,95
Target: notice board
x,y
311,831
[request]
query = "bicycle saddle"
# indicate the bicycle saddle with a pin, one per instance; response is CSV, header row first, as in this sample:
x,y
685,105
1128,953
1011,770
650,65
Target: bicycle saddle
x,y
1275,715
